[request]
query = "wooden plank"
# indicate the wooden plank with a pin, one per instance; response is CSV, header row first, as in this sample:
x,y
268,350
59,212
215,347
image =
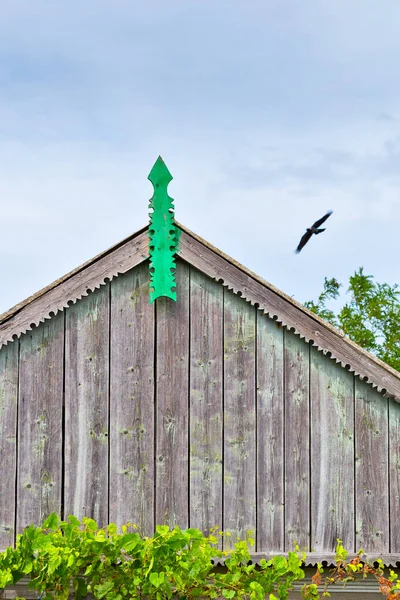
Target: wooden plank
x,y
270,435
172,404
8,441
332,436
239,417
132,401
206,396
288,311
86,407
73,286
372,493
40,423
297,442
394,474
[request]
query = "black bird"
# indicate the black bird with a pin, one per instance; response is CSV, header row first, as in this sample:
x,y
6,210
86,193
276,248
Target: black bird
x,y
314,229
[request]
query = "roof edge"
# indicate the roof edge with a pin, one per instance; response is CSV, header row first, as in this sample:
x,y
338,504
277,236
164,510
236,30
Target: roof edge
x,y
316,318
213,262
11,312
73,286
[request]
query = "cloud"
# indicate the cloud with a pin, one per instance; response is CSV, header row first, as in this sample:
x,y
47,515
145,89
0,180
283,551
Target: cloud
x,y
261,110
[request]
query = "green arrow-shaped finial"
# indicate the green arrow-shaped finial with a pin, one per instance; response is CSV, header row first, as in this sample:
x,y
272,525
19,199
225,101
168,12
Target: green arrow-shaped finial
x,y
162,233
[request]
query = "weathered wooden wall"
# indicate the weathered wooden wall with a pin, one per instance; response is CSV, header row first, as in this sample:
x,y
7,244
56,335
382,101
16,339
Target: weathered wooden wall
x,y
204,412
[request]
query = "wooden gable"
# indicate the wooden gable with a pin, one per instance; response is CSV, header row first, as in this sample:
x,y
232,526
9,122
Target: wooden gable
x,y
234,407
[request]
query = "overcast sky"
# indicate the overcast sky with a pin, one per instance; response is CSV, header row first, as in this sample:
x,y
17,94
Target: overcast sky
x,y
267,114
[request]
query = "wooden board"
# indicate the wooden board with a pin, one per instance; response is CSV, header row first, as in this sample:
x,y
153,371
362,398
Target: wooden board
x,y
132,401
8,441
297,443
394,474
206,416
40,409
372,492
86,407
172,404
240,417
270,435
332,454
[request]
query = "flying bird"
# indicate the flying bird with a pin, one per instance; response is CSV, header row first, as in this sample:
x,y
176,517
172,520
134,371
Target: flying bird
x,y
314,229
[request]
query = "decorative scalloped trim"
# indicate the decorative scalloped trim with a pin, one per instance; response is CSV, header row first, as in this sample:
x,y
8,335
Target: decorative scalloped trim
x,y
275,317
327,559
56,310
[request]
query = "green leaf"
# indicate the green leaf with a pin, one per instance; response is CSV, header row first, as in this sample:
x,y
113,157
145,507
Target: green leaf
x,y
112,529
90,524
5,578
157,579
162,529
102,589
257,590
52,522
100,536
27,567
195,534
71,560
129,541
54,562
228,593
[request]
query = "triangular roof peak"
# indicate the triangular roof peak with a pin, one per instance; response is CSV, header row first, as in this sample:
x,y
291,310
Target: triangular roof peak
x,y
203,256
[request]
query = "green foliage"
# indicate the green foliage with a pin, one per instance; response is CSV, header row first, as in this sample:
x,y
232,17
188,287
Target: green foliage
x,y
370,317
347,571
174,563
114,566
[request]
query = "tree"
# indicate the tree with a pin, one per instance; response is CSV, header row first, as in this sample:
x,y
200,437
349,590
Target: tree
x,y
370,317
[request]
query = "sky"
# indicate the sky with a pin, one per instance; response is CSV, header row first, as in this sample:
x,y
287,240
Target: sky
x,y
267,113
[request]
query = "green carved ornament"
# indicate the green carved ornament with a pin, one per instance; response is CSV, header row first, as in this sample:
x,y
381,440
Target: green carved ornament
x,y
162,234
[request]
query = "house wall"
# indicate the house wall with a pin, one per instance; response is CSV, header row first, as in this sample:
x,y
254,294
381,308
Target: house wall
x,y
202,412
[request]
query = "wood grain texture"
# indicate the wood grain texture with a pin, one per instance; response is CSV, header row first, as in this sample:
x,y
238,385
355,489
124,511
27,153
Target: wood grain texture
x,y
372,492
206,391
132,401
86,407
73,286
270,435
40,423
332,454
239,417
394,474
8,441
172,404
288,311
297,442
